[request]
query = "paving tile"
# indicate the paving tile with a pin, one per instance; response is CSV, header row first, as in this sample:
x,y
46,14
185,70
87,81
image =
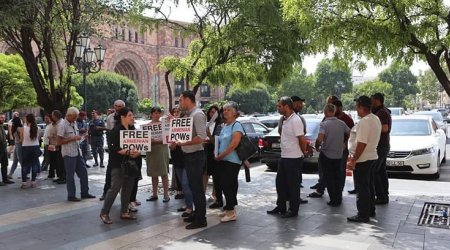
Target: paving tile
x,y
437,244
409,241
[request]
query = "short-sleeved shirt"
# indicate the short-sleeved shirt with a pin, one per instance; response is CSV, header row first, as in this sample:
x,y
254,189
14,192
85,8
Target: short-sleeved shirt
x,y
68,130
347,119
291,130
334,131
385,118
226,135
93,131
198,129
366,131
280,123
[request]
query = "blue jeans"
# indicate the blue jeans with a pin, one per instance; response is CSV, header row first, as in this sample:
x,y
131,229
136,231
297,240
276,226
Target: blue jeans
x,y
182,176
76,165
30,162
17,158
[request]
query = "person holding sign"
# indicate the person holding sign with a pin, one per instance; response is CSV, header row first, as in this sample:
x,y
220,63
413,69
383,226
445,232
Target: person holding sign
x,y
228,160
194,157
119,180
157,159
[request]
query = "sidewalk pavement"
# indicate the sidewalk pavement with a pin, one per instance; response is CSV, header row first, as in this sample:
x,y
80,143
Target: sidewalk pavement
x,y
41,218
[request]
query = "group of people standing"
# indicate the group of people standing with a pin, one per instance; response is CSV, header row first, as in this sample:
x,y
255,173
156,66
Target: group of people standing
x,y
342,145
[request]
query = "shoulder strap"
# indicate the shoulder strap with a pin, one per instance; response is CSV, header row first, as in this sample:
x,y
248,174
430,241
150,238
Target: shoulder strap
x,y
245,133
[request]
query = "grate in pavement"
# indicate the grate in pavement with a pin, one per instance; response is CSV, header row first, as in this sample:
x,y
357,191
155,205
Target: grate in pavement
x,y
435,215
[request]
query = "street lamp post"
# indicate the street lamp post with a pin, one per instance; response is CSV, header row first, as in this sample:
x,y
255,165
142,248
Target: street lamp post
x,y
87,60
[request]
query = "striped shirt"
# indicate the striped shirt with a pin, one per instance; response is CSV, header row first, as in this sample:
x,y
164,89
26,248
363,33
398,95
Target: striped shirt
x,y
68,130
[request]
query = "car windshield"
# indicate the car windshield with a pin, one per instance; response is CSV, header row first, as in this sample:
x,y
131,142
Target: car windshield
x,y
437,117
410,127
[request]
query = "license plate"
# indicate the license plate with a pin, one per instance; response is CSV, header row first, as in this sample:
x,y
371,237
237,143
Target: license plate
x,y
394,163
275,145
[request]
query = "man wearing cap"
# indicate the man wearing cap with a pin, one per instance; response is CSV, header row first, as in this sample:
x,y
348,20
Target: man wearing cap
x,y
362,144
83,129
380,174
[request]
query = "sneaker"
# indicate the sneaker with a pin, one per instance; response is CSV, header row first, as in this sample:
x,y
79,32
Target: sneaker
x,y
152,198
132,208
166,199
358,219
229,216
95,165
8,181
2,184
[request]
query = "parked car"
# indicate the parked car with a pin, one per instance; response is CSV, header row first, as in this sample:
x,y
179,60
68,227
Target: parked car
x,y
417,146
269,121
271,151
437,117
396,111
255,131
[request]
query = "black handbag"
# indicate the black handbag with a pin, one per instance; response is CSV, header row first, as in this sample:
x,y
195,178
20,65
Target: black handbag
x,y
246,148
129,166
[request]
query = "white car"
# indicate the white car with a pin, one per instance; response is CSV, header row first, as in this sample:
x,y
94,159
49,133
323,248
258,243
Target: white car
x,y
417,146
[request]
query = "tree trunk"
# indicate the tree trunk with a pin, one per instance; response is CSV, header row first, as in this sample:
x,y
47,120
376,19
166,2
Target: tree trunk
x,y
169,89
433,61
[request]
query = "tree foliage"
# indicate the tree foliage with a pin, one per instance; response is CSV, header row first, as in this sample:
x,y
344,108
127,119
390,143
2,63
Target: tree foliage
x,y
104,88
39,29
145,105
238,42
302,85
16,90
429,87
403,83
332,78
403,29
256,99
371,87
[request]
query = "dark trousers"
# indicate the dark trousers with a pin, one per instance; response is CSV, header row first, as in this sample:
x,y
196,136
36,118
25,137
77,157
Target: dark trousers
x,y
288,187
343,167
195,164
322,182
97,148
216,176
56,164
229,182
122,184
107,185
380,174
84,151
332,175
30,162
46,160
136,180
4,162
364,183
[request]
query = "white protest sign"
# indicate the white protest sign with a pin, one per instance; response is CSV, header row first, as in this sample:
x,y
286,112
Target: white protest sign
x,y
156,130
166,131
135,139
181,129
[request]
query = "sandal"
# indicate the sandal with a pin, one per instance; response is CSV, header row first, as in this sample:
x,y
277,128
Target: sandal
x,y
105,218
166,199
127,216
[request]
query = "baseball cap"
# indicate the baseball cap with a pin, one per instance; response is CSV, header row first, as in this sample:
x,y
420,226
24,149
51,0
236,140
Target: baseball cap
x,y
363,101
296,99
82,114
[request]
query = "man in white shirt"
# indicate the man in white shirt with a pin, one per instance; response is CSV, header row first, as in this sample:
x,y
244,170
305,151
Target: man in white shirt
x,y
293,147
362,146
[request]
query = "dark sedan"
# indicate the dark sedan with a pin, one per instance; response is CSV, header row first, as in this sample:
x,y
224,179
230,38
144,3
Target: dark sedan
x,y
271,151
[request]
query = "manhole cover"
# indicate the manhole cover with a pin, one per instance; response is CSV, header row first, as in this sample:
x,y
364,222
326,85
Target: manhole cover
x,y
435,215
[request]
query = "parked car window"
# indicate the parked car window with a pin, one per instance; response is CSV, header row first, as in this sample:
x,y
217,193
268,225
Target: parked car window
x,y
410,127
248,128
259,129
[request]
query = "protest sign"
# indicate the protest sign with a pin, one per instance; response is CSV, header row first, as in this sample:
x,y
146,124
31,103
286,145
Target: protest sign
x,y
155,129
135,139
180,129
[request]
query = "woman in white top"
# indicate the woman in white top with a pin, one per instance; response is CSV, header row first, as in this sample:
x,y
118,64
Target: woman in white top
x,y
29,136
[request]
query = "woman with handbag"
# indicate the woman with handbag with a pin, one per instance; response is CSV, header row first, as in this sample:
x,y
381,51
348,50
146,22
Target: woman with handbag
x,y
229,163
123,169
31,151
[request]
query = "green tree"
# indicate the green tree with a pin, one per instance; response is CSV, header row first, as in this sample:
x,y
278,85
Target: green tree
x,y
104,88
371,87
145,105
403,83
256,99
39,29
16,90
379,30
429,87
332,78
264,49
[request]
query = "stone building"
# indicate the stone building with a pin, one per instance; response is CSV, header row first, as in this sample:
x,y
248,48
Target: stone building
x,y
136,54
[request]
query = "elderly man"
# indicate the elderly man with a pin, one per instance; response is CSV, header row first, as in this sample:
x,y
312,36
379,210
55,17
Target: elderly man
x,y
362,146
69,139
110,123
332,134
195,158
293,148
